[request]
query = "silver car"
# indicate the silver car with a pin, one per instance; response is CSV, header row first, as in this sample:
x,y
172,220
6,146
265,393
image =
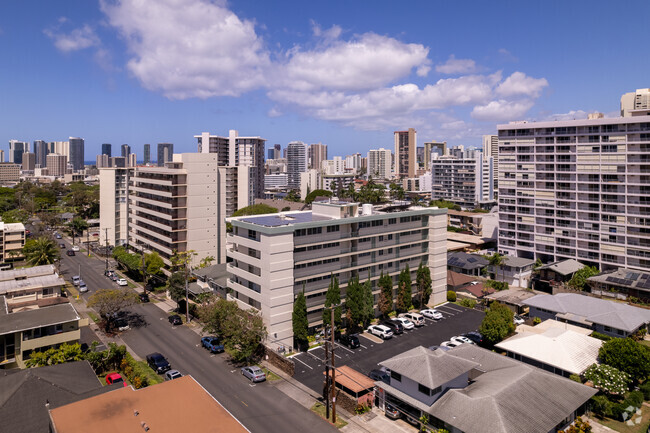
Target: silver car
x,y
173,374
254,373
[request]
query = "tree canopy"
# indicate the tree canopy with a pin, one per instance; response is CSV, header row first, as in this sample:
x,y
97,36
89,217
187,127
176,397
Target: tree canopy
x,y
354,303
385,303
404,293
255,209
444,204
497,323
627,355
108,302
64,353
332,297
299,320
579,279
41,251
423,282
317,193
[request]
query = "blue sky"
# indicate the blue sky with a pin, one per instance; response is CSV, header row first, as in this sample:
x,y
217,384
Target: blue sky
x,y
344,73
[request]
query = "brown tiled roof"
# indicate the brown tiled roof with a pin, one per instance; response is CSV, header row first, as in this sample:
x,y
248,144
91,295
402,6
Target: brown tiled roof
x,y
477,290
456,279
352,379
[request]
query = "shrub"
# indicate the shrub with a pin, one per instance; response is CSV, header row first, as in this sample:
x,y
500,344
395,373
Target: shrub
x,y
536,321
635,398
601,406
575,378
645,389
608,379
617,410
466,302
600,336
451,296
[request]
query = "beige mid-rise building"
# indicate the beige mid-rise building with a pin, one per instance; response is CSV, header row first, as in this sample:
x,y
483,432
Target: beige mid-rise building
x,y
114,205
9,172
380,163
56,164
405,153
274,257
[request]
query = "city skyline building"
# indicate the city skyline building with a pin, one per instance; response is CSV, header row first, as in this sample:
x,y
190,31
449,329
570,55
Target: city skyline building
x,y
165,153
107,149
296,163
16,150
633,101
468,182
77,153
29,161
147,153
125,150
41,149
56,164
379,163
317,153
405,153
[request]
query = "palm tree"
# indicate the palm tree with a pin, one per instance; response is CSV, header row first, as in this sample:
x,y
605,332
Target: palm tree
x,y
41,251
496,260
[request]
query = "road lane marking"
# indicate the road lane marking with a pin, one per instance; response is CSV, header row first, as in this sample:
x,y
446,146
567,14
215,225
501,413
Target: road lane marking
x,y
337,356
296,358
242,401
363,346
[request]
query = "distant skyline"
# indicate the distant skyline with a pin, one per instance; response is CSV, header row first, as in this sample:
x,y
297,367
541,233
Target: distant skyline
x,y
346,74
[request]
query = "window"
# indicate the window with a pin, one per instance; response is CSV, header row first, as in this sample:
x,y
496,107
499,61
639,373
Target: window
x,y
396,376
331,229
424,390
392,220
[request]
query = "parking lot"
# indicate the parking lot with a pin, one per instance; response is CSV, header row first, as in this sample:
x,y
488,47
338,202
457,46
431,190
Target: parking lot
x,y
309,366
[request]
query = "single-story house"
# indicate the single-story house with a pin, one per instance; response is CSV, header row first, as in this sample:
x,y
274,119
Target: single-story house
x,y
513,299
516,271
556,273
465,263
214,277
622,281
553,346
607,317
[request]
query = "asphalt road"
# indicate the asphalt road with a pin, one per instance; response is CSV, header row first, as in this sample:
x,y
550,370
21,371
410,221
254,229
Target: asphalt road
x,y
260,407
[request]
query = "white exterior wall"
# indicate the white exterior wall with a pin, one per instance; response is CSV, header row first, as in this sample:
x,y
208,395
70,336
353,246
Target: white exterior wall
x,y
438,258
309,180
113,206
380,163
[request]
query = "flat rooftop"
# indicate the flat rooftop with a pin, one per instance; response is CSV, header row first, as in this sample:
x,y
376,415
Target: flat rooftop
x,y
31,319
277,220
180,405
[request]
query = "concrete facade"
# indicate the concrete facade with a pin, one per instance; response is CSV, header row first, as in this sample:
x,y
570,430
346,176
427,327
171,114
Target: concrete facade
x,y
114,205
380,163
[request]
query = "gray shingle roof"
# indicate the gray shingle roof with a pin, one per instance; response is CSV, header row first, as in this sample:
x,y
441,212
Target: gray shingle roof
x,y
565,267
466,260
517,262
508,397
594,310
40,317
23,393
35,271
626,278
431,368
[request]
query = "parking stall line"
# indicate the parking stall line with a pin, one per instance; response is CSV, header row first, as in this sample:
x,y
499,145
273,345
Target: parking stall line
x,y
458,310
296,358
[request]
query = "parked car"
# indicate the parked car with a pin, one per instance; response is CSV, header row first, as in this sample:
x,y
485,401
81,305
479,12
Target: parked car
x,y
475,336
254,373
430,313
108,273
406,323
450,344
158,363
58,236
175,319
391,411
76,279
114,277
518,320
352,340
462,340
442,348
62,245
213,344
417,319
381,375
75,248
380,331
394,326
70,253
114,378
121,324
143,297
122,282
82,287
173,374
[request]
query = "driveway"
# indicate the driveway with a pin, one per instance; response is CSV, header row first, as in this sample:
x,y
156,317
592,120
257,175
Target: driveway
x,y
309,366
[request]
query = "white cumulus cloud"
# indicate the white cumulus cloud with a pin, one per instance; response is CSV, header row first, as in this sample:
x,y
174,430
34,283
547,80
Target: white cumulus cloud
x,y
519,84
77,39
502,110
186,48
457,66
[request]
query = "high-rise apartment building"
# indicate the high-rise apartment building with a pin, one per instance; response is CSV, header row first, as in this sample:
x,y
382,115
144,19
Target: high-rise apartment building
x,y
60,148
29,161
56,164
102,161
317,153
335,165
235,151
2,156
491,149
635,103
274,152
76,157
353,163
577,189
379,163
126,151
118,161
114,205
147,153
107,149
433,147
16,151
132,160
275,257
41,150
466,182
405,153
165,153
296,163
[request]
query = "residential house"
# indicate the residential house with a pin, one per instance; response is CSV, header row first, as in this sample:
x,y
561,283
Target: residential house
x,y
556,274
214,277
607,317
472,390
513,299
465,263
622,283
516,271
29,288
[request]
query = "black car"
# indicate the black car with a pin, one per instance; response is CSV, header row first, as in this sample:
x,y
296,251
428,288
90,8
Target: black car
x,y
475,336
61,245
394,326
158,363
175,319
70,253
352,340
144,297
384,376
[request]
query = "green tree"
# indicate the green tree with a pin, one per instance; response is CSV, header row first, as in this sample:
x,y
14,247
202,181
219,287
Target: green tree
x,y
497,323
64,353
153,263
332,297
205,262
299,319
255,209
78,225
579,279
385,303
608,379
578,426
41,251
496,260
368,302
627,355
293,195
15,216
444,204
404,295
423,283
84,199
109,302
354,303
396,191
176,287
317,193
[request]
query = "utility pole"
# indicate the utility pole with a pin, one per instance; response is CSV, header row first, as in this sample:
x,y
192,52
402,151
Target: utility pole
x,y
333,374
327,382
144,269
88,241
187,293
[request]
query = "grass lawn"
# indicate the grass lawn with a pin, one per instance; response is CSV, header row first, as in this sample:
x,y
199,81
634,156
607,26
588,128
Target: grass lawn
x,y
152,377
622,427
319,409
94,316
270,375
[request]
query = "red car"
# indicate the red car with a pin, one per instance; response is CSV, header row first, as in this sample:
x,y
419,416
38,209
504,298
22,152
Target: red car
x,y
114,378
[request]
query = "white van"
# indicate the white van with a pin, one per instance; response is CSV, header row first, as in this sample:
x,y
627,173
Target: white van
x,y
416,318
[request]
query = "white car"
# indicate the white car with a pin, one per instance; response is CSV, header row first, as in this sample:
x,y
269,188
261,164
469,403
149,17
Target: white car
x,y
76,279
173,374
380,331
430,313
75,248
82,287
518,320
417,319
462,340
122,282
450,344
406,323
